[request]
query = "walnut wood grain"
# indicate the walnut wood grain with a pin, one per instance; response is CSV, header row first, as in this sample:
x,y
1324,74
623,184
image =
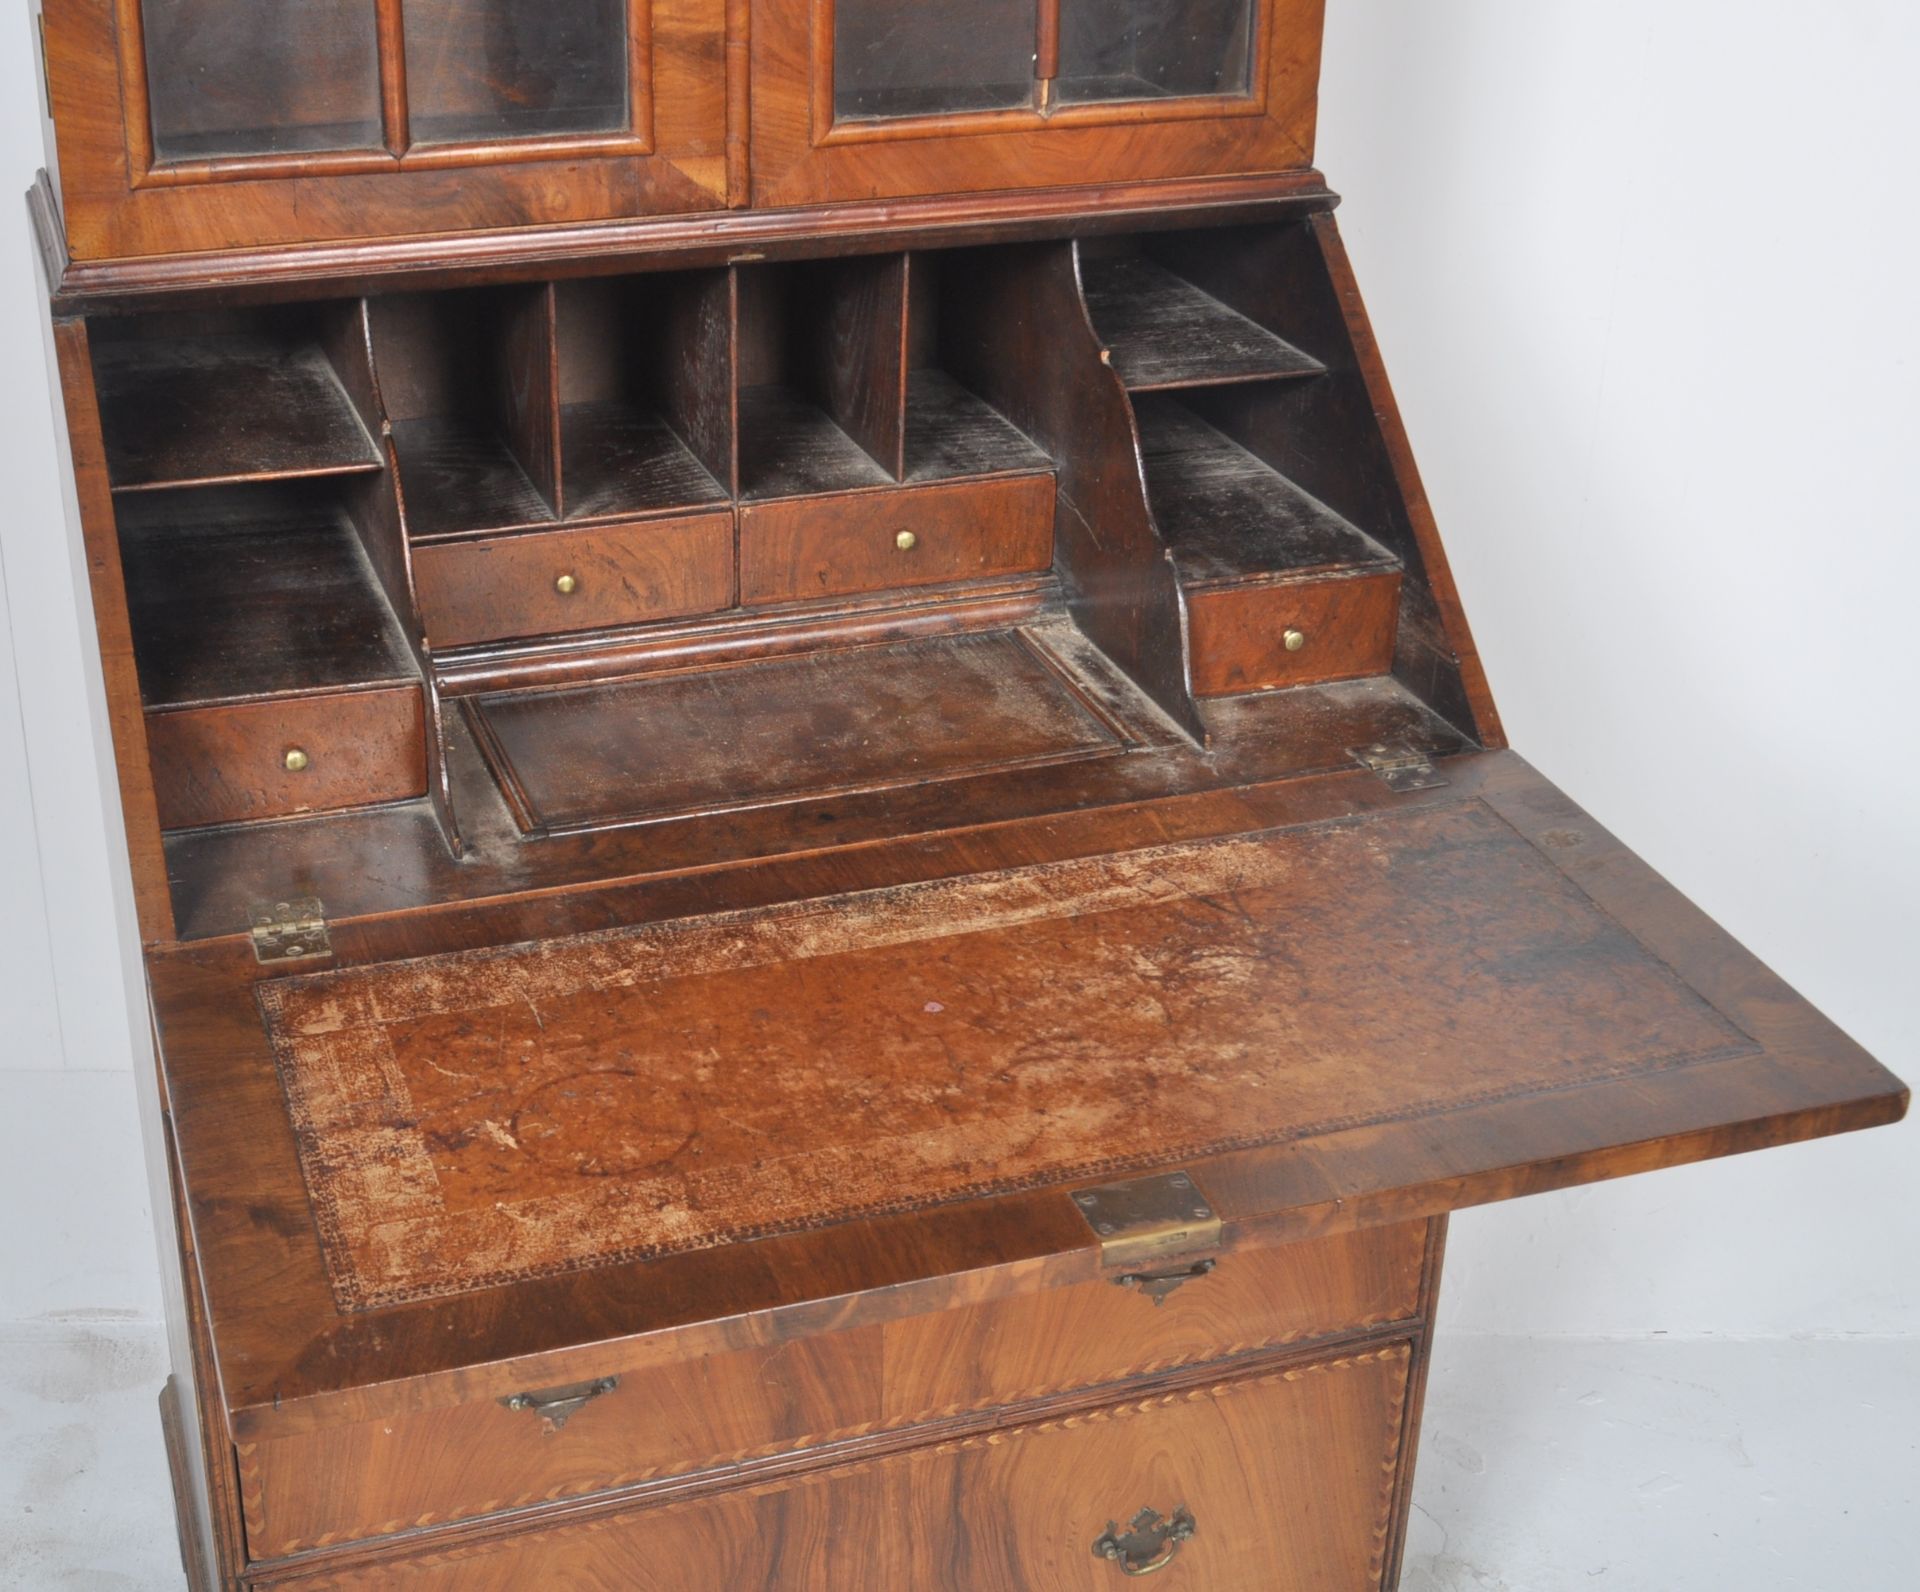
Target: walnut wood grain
x,y
800,157
290,1361
117,204
805,548
1239,632
409,264
227,764
497,587
1289,1474
92,533
374,1478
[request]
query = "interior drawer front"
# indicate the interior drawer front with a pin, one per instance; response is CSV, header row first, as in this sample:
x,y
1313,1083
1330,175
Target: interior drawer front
x,y
1346,627
916,536
223,765
1287,1476
549,582
376,1477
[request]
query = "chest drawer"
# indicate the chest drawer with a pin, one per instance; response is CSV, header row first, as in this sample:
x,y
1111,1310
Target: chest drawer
x,y
655,1421
1276,1481
274,759
802,548
550,582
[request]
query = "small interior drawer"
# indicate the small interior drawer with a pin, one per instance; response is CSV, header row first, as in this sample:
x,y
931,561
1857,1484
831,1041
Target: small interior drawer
x,y
1277,1480
1299,632
229,763
376,1477
549,582
801,548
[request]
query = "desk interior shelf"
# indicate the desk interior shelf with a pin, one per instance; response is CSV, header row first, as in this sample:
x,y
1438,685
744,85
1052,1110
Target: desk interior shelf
x,y
242,399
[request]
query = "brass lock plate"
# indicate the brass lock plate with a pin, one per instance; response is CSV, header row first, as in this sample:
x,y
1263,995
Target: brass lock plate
x,y
1149,1218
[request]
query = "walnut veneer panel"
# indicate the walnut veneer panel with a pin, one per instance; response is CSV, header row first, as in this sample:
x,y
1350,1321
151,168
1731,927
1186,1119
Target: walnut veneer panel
x,y
376,1477
227,764
472,1119
799,548
500,587
1239,632
1289,1477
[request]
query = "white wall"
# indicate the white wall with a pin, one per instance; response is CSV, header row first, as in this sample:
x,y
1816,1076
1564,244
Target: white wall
x,y
1642,274
77,1244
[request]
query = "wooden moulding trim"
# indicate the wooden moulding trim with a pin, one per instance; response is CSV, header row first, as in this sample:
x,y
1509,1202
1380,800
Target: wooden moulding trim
x,y
658,242
1008,1423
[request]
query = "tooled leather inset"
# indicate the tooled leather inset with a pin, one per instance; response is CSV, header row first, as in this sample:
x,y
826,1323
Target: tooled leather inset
x,y
483,1117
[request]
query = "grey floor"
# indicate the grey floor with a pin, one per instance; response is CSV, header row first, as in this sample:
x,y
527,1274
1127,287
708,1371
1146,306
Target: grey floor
x,y
1547,1466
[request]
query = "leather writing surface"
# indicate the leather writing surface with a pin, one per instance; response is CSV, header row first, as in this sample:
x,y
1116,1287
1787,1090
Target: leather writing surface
x,y
477,1118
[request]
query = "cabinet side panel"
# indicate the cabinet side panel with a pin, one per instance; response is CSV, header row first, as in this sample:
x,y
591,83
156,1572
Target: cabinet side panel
x,y
90,528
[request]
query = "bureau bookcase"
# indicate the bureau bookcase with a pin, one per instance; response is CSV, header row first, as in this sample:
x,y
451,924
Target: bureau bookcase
x,y
830,892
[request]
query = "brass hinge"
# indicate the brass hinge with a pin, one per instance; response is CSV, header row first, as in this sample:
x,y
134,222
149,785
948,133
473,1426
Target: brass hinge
x,y
1149,1219
290,931
1402,766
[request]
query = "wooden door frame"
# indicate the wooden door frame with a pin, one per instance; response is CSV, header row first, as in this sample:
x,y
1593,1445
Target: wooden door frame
x,y
119,201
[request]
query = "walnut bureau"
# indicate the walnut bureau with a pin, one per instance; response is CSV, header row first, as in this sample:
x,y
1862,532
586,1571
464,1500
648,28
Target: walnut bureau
x,y
831,895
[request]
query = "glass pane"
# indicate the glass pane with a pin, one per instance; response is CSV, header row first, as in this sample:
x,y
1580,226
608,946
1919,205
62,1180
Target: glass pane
x,y
931,57
1154,49
261,77
492,69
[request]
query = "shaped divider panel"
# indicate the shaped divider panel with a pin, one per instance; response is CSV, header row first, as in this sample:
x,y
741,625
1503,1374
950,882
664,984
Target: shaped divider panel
x,y
1014,327
233,396
470,384
646,392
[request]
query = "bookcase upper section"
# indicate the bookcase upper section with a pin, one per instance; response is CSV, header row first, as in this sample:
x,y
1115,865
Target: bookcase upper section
x,y
194,126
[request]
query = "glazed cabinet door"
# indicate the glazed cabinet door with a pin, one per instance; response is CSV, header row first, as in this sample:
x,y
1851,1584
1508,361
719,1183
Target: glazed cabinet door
x,y
868,98
200,124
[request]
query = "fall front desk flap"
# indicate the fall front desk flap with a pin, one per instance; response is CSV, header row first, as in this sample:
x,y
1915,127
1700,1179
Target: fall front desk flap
x,y
1468,993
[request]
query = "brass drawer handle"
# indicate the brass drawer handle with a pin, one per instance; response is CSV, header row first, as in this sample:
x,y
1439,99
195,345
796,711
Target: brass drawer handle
x,y
296,760
1293,640
906,541
1156,1285
1149,1544
566,585
558,1405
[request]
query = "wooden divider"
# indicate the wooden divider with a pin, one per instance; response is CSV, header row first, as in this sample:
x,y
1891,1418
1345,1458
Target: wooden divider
x,y
1020,336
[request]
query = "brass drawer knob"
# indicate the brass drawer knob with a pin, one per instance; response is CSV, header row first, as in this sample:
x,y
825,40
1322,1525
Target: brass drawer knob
x,y
296,760
1149,1544
906,541
566,585
1293,640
